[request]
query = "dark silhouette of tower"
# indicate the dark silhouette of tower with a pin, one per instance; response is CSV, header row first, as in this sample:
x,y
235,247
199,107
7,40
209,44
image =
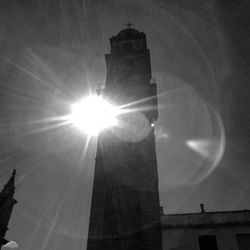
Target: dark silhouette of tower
x,y
7,203
125,211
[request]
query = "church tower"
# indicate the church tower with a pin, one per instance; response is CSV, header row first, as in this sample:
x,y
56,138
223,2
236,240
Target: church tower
x,y
125,211
7,203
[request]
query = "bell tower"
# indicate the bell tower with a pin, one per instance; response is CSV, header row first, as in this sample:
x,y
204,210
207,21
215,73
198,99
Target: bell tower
x,y
125,210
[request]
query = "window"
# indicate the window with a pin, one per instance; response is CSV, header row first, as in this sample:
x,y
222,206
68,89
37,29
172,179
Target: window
x,y
208,242
243,241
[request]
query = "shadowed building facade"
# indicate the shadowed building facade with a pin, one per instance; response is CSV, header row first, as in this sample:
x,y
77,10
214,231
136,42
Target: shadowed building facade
x,y
125,211
7,203
223,230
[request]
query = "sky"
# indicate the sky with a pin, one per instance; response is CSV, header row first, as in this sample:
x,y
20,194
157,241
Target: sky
x,y
52,54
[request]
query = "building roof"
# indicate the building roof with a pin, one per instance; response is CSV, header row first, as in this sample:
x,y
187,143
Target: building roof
x,y
207,219
127,34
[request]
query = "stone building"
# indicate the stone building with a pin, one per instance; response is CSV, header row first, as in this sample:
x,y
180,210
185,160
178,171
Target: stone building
x,y
125,210
206,231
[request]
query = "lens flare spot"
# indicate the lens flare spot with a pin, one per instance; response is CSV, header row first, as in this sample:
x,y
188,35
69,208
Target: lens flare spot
x,y
203,147
133,126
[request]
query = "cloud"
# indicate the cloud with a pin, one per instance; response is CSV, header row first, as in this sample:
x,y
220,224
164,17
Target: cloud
x,y
11,244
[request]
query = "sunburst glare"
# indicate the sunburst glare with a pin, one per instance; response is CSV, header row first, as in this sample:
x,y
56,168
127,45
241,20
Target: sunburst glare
x,y
93,114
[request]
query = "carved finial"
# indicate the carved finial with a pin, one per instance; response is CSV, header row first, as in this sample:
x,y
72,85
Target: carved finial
x,y
202,208
129,25
10,185
14,172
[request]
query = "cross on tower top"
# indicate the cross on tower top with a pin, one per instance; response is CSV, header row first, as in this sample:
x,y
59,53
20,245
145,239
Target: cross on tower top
x,y
129,25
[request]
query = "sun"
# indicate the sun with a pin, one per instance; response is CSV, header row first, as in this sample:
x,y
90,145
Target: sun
x,y
93,114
